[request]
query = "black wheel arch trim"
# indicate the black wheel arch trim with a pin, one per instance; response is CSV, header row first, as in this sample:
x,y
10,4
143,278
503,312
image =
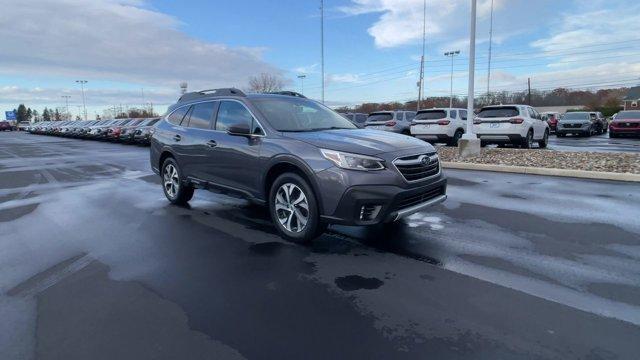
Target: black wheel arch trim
x,y
300,164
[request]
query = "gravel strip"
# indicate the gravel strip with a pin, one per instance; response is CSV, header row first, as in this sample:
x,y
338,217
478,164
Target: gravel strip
x,y
589,161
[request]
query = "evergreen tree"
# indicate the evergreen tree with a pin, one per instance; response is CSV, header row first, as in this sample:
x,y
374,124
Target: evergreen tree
x,y
21,114
46,115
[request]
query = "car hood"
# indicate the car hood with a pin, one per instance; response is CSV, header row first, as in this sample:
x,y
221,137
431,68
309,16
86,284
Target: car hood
x,y
622,121
359,141
577,121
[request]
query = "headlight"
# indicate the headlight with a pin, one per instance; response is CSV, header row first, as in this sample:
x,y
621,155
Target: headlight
x,y
353,161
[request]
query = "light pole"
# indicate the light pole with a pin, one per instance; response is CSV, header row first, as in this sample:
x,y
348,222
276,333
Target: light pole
x,y
424,37
302,77
84,104
322,45
490,48
452,54
66,103
469,144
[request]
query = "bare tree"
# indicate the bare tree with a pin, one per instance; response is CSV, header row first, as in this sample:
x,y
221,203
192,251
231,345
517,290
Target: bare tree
x,y
265,83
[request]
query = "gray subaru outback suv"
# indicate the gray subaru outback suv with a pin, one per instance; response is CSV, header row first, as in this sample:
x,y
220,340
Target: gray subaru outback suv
x,y
308,164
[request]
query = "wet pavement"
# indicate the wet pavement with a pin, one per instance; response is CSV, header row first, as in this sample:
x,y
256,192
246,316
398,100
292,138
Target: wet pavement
x,y
597,143
94,263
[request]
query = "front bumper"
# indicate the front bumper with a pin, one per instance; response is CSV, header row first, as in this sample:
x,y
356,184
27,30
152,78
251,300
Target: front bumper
x,y
394,202
619,130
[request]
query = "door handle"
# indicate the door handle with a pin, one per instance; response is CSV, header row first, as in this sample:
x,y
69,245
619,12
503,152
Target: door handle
x,y
212,143
177,137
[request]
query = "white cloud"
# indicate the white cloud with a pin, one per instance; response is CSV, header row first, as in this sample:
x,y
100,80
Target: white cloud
x,y
116,40
400,22
309,69
342,78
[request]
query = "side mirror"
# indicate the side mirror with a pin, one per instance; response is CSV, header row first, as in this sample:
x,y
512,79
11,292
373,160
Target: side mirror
x,y
239,130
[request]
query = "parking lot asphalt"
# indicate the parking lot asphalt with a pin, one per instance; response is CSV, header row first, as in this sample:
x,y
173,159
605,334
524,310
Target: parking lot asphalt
x,y
95,263
597,143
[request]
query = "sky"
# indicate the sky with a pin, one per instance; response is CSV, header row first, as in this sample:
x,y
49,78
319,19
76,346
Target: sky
x,y
135,52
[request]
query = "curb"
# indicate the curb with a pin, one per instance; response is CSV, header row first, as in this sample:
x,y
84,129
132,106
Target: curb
x,y
582,174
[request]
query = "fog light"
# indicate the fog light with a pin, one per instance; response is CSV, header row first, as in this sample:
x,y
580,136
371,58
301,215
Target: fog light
x,y
369,212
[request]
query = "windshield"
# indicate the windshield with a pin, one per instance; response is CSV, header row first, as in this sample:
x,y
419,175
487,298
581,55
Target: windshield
x,y
499,112
152,122
380,117
576,116
431,115
628,115
296,114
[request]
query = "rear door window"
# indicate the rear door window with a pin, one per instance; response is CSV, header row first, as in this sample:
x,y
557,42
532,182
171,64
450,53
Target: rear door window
x,y
463,114
453,114
399,116
361,118
499,112
201,115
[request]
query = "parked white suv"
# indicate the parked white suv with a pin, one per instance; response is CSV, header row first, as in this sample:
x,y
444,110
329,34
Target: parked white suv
x,y
440,125
520,125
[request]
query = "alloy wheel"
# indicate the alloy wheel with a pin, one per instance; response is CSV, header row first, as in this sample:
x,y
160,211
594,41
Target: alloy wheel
x,y
171,180
292,207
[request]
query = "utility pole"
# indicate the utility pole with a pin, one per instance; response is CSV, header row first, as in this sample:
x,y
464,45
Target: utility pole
x,y
490,48
142,91
529,87
84,105
322,44
469,144
424,36
302,77
66,104
452,54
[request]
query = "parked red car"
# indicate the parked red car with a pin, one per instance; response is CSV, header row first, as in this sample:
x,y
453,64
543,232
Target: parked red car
x,y
552,119
4,125
626,123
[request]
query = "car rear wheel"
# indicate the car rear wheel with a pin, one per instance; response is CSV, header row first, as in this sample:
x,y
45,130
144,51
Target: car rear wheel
x,y
545,140
173,185
527,141
294,209
456,137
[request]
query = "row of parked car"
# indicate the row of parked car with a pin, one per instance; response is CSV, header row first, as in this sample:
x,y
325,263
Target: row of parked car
x,y
122,130
518,125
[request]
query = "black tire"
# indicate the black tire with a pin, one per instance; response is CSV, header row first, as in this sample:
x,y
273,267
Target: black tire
x,y
313,227
456,137
605,129
560,135
612,135
527,141
545,140
184,191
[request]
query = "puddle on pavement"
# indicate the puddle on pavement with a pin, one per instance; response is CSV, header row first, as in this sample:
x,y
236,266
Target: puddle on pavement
x,y
357,282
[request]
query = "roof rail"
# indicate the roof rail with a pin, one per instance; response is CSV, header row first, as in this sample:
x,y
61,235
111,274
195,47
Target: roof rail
x,y
211,92
288,93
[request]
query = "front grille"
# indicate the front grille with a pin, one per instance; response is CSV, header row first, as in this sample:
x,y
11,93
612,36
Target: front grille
x,y
572,126
419,198
138,132
628,125
418,167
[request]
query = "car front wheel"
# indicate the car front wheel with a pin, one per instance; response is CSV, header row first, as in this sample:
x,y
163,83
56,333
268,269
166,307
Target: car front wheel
x,y
294,209
175,189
